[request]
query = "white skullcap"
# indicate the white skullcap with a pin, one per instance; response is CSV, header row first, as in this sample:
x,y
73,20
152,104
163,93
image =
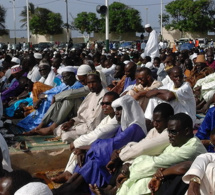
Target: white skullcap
x,y
84,69
147,25
15,60
38,56
66,69
55,53
193,56
34,188
143,55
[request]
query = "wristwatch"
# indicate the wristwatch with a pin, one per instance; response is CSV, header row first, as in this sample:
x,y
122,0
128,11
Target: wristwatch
x,y
196,180
46,96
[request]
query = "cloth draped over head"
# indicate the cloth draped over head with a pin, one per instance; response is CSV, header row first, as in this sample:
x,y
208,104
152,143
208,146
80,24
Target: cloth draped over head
x,y
34,188
66,69
132,113
15,69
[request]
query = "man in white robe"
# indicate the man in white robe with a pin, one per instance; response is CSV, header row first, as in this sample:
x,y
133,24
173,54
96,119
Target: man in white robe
x,y
106,129
200,176
178,94
152,47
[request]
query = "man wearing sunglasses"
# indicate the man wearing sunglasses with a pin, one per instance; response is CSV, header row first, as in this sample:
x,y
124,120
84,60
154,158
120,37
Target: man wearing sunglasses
x,y
106,129
184,146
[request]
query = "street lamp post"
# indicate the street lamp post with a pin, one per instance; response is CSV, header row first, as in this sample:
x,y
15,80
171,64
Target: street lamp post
x,y
146,15
67,22
107,25
161,19
28,31
14,21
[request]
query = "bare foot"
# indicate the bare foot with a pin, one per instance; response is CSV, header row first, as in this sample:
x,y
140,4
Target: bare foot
x,y
62,178
45,131
32,132
94,188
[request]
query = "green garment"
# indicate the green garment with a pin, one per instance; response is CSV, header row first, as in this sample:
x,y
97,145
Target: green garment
x,y
144,167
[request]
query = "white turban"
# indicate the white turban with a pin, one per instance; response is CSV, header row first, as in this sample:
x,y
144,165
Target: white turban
x,y
132,113
34,188
66,69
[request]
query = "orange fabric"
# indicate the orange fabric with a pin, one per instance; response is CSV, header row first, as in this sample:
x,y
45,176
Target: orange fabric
x,y
39,88
120,85
187,73
174,48
195,76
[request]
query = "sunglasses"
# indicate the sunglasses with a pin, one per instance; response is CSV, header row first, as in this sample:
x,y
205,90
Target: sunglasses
x,y
173,132
42,69
106,103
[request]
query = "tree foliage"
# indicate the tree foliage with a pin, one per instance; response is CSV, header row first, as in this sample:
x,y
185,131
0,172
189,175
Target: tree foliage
x,y
45,21
41,20
23,14
192,16
122,18
2,20
86,22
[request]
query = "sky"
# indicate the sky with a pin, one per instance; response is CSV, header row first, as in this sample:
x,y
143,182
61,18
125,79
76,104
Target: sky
x,y
149,10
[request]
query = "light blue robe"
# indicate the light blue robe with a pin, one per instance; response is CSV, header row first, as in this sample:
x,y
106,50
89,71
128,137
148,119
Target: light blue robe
x,y
35,118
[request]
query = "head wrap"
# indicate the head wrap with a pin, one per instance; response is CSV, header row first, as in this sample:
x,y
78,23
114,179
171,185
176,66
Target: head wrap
x,y
66,69
15,60
15,69
132,113
34,188
147,25
193,56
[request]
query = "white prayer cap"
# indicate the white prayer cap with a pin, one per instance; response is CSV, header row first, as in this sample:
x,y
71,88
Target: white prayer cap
x,y
38,56
66,69
193,56
147,25
84,69
126,62
15,60
34,188
55,53
143,55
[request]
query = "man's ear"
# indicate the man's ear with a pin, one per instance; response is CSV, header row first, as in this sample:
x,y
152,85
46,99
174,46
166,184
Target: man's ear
x,y
187,131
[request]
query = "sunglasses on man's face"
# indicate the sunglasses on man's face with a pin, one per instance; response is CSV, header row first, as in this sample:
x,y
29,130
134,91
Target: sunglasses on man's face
x,y
173,132
106,103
